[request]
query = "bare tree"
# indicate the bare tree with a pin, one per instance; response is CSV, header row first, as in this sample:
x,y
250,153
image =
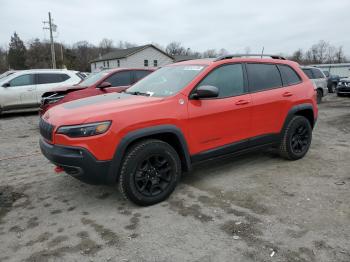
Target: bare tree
x,y
175,48
210,53
106,46
297,56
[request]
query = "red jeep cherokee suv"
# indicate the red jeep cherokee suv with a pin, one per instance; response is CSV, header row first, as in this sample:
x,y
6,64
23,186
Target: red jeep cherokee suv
x,y
105,81
179,115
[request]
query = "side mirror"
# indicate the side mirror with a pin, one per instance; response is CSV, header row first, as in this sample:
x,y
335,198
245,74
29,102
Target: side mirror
x,y
104,85
6,85
205,92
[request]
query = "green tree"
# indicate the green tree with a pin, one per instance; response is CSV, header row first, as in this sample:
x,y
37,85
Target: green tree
x,y
17,53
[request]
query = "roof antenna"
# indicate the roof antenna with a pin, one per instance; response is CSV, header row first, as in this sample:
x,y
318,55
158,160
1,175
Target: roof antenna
x,y
262,51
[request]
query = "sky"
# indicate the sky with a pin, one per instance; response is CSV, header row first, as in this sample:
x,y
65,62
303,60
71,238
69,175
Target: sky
x,y
280,26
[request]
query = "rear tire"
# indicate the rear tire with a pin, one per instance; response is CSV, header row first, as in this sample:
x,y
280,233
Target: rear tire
x,y
319,96
149,173
296,138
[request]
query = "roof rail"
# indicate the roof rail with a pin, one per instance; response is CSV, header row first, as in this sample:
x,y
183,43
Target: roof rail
x,y
247,55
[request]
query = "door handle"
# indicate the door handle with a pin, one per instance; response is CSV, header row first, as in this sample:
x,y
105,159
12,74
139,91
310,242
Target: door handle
x,y
242,102
287,94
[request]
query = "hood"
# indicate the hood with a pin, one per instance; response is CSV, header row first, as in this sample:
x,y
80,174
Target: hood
x,y
345,79
93,108
66,88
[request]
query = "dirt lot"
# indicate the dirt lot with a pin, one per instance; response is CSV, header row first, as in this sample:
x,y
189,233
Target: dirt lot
x,y
256,207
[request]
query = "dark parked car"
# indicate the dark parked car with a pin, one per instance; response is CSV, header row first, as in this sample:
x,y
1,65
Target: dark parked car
x,y
332,81
343,87
105,81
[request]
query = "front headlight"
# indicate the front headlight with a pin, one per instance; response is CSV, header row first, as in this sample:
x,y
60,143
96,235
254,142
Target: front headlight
x,y
91,129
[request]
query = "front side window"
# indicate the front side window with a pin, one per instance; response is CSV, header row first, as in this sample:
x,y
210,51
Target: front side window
x,y
145,62
120,79
23,80
289,76
263,77
51,78
228,79
317,73
308,73
166,81
140,74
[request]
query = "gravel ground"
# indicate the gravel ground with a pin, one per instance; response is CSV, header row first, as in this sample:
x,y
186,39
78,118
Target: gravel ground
x,y
255,207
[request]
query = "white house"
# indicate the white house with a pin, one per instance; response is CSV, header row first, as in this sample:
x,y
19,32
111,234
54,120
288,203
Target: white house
x,y
146,56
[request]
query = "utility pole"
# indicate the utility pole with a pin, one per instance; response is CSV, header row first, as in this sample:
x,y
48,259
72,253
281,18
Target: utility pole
x,y
52,27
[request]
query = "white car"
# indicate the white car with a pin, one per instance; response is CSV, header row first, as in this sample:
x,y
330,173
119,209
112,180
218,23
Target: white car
x,y
319,79
22,90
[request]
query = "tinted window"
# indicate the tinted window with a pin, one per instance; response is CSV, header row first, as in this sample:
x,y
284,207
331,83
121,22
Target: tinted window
x,y
23,80
120,79
228,79
140,74
263,77
308,73
51,78
317,73
289,76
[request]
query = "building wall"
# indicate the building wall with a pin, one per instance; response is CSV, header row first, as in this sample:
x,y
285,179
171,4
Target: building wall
x,y
135,60
342,70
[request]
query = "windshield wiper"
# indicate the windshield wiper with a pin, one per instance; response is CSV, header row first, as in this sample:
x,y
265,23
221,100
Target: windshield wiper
x,y
137,93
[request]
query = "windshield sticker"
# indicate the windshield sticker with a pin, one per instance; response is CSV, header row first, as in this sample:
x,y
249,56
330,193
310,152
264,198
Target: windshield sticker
x,y
193,68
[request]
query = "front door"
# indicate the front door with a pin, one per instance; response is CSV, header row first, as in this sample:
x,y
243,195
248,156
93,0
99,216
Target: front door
x,y
20,93
224,120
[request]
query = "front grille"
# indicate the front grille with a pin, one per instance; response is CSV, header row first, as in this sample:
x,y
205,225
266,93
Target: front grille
x,y
46,129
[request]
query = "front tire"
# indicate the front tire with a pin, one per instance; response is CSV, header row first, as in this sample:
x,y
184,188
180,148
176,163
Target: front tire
x,y
296,138
149,173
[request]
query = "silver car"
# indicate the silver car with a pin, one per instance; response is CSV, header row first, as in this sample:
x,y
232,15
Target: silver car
x,y
22,90
319,79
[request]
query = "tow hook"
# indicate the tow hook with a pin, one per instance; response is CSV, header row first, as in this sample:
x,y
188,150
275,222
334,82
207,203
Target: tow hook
x,y
58,169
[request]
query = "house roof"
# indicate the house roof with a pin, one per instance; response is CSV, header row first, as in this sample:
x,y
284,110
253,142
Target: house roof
x,y
123,53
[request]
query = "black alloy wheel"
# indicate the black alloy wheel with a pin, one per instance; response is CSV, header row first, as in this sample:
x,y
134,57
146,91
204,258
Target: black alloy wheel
x,y
153,175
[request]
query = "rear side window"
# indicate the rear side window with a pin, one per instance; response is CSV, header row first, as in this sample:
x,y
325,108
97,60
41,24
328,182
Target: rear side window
x,y
23,80
289,76
308,73
51,78
317,73
228,79
140,74
263,77
120,79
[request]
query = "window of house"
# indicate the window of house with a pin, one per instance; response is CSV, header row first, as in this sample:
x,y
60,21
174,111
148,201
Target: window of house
x,y
145,62
23,80
118,63
289,76
228,79
104,63
155,63
108,64
263,77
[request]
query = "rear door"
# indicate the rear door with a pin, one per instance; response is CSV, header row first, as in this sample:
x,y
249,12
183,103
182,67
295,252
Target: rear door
x,y
271,100
20,93
47,81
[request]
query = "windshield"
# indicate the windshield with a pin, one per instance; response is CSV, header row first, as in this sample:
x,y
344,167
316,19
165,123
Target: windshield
x,y
166,81
94,78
